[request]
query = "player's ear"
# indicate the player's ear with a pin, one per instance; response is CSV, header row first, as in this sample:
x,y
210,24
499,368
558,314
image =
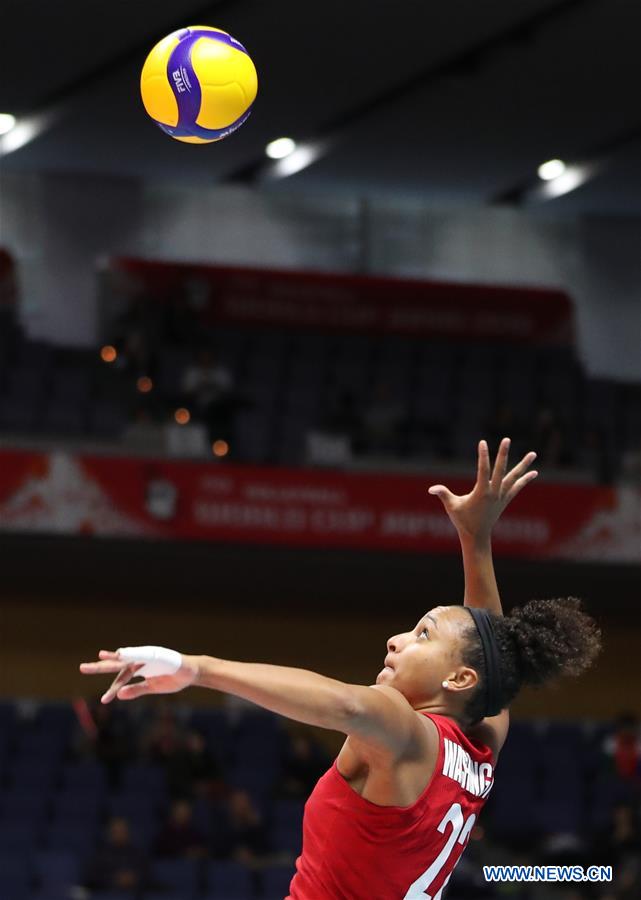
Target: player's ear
x,y
464,678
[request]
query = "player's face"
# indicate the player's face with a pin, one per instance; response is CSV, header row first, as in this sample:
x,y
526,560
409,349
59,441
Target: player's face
x,y
418,661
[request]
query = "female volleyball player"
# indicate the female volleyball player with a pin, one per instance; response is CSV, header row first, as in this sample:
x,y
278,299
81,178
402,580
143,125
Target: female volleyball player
x,y
392,816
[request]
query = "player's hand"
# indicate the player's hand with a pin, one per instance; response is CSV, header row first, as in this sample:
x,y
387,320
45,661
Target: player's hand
x,y
474,514
163,671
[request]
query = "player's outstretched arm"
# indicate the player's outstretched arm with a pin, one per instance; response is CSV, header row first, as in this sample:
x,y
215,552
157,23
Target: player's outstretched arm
x,y
475,514
378,715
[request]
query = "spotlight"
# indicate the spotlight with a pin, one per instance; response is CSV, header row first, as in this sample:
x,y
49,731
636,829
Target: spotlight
x,y
7,122
551,169
144,384
280,148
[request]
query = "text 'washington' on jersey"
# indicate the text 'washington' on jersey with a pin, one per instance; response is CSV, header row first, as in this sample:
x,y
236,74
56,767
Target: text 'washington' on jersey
x,y
477,778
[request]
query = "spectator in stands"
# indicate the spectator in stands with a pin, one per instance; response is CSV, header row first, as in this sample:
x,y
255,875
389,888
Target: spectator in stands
x,y
239,830
114,742
623,748
179,837
620,847
163,738
118,863
381,421
193,771
305,762
208,387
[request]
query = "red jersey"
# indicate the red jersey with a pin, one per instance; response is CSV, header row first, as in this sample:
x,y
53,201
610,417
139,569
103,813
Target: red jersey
x,y
354,849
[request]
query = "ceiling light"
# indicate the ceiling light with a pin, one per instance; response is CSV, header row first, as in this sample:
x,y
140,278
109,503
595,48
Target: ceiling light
x,y
280,148
570,180
551,169
7,121
304,155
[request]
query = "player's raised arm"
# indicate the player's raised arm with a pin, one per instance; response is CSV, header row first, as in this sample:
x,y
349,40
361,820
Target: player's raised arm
x,y
377,714
475,514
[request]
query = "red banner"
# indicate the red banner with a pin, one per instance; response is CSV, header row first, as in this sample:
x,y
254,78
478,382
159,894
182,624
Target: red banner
x,y
72,494
350,303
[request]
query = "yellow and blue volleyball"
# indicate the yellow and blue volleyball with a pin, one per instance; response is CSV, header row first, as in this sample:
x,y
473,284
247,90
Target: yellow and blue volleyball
x,y
198,84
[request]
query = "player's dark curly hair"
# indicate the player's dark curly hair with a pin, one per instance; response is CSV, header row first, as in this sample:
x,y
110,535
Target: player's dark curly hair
x,y
538,643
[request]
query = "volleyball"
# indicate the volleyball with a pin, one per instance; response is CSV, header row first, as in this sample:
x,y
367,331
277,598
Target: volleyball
x,y
198,84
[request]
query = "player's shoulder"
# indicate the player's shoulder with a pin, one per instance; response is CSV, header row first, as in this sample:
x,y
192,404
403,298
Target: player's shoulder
x,y
422,733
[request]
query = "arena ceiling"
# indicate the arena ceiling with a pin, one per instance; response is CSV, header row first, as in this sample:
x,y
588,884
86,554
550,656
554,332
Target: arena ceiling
x,y
454,103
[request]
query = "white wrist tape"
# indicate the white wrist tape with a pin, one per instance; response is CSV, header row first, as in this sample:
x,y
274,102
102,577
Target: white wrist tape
x,y
158,660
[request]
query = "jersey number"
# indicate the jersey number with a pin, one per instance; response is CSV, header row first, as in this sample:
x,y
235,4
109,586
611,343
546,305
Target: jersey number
x,y
460,832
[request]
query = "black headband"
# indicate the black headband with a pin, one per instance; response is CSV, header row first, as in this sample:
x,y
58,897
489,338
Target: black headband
x,y
483,622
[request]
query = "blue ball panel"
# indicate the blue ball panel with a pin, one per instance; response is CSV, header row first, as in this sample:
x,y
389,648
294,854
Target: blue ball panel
x,y
186,88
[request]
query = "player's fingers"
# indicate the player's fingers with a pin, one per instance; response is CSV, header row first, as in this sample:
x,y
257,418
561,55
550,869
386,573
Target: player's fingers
x,y
443,493
131,691
500,464
518,470
109,654
483,468
118,682
104,667
520,484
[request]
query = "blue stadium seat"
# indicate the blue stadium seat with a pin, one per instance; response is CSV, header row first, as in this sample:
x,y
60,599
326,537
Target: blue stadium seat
x,y
73,836
288,811
560,807
56,717
606,792
159,895
109,895
228,881
57,868
202,815
8,717
86,775
144,778
184,876
39,750
17,879
19,837
82,804
276,881
287,838
507,819
23,807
